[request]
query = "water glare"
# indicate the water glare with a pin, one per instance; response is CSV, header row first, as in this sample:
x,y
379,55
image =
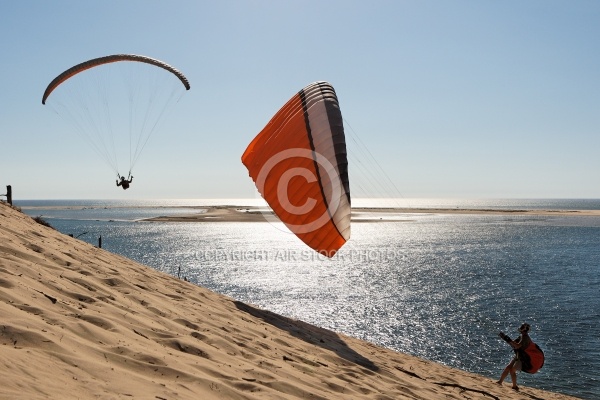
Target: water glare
x,y
435,286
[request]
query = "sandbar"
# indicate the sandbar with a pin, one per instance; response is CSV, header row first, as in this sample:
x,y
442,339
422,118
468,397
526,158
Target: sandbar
x,y
261,214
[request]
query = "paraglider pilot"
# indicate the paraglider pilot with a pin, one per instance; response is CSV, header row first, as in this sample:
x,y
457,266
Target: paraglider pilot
x,y
516,363
124,183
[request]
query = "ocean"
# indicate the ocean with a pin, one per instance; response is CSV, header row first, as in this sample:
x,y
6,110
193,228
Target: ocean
x,y
437,286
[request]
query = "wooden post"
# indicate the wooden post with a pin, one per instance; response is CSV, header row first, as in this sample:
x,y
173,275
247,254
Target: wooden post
x,y
8,194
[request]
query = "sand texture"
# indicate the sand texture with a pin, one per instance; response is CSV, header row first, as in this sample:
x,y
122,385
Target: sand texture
x,y
77,322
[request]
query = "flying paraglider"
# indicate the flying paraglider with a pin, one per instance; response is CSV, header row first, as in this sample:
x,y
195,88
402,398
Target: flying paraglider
x,y
299,165
108,96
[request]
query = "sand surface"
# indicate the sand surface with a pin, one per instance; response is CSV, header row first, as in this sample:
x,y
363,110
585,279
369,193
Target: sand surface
x,y
77,322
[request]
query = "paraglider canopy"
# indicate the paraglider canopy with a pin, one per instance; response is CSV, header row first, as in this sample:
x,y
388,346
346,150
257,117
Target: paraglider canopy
x,y
106,60
116,102
299,165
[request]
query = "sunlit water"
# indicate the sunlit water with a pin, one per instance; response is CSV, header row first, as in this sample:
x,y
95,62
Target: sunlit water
x,y
435,286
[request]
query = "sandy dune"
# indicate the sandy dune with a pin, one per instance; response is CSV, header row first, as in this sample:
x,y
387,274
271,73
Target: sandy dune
x,y
78,322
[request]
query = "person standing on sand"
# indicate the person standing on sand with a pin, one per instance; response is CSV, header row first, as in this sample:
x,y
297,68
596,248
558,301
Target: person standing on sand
x,y
515,364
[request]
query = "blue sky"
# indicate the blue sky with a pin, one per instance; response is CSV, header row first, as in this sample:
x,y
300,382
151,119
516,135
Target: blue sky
x,y
454,99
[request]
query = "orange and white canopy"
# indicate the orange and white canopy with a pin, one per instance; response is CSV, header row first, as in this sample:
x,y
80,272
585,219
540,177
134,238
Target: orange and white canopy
x,y
300,167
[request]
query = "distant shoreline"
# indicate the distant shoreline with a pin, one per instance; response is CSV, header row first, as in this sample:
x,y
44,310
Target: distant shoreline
x,y
258,214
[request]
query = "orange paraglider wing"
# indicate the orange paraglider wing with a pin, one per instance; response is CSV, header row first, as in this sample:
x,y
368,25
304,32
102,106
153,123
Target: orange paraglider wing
x,y
299,165
106,60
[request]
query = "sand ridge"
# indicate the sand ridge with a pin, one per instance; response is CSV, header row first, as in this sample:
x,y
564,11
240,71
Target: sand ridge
x,y
78,322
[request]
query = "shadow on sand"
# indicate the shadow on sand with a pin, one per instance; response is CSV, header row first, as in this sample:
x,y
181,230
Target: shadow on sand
x,y
309,333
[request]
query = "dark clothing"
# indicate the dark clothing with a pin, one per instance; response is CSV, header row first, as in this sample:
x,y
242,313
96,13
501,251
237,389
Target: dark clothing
x,y
523,341
522,361
124,183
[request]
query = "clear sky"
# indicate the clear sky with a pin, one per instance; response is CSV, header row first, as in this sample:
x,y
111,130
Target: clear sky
x,y
455,99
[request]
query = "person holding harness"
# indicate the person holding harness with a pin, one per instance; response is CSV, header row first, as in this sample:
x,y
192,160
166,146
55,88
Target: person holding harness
x,y
528,356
